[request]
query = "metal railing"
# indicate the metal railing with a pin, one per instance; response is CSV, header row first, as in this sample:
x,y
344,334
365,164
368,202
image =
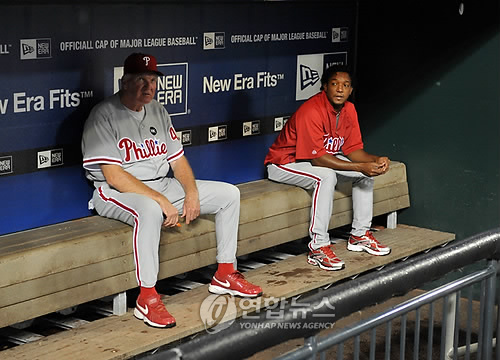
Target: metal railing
x,y
452,310
237,342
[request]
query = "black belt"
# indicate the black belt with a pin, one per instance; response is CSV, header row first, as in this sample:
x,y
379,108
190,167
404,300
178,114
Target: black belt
x,y
158,178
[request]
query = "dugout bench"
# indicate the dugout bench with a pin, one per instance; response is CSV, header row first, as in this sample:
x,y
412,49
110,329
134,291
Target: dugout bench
x,y
56,267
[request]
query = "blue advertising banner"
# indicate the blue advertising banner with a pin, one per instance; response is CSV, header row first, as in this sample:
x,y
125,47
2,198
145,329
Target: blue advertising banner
x,y
233,73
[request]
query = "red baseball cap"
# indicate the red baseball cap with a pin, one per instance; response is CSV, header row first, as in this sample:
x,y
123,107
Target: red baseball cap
x,y
138,63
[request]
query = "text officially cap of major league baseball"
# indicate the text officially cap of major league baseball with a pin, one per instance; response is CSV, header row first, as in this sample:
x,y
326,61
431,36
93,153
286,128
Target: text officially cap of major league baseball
x,y
138,63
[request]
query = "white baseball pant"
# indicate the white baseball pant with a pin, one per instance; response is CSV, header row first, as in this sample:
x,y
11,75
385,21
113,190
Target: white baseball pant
x,y
146,216
322,181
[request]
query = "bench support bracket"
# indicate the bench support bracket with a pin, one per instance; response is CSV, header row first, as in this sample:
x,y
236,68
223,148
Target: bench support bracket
x,y
120,304
392,220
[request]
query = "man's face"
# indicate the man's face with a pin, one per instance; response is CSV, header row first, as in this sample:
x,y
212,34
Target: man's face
x,y
338,89
142,88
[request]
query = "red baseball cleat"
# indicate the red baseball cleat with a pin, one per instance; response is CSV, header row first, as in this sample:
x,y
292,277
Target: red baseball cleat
x,y
367,243
153,312
233,284
325,258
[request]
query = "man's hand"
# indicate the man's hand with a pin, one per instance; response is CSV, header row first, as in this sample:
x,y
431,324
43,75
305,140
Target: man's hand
x,y
170,212
183,173
191,208
125,182
384,162
368,164
375,168
371,168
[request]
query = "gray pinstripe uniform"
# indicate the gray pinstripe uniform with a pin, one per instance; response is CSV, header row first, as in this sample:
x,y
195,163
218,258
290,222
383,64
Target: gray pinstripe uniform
x,y
143,144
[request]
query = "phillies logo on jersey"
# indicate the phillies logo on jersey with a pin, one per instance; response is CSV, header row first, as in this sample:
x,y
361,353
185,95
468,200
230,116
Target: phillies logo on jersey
x,y
173,134
150,148
333,144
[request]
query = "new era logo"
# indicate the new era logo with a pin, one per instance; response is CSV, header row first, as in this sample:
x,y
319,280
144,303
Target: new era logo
x,y
185,137
340,34
222,132
308,76
43,160
255,127
216,133
27,49
251,128
335,35
213,133
56,157
247,128
5,165
35,49
279,122
344,34
214,40
50,158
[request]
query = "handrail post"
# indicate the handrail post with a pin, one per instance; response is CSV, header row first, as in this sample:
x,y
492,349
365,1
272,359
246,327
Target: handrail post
x,y
489,311
450,323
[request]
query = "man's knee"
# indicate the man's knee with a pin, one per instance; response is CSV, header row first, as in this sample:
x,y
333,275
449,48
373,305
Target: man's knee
x,y
364,181
327,175
149,209
229,191
218,192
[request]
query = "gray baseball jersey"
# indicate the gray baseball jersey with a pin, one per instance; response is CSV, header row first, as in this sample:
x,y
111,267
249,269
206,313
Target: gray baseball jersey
x,y
143,147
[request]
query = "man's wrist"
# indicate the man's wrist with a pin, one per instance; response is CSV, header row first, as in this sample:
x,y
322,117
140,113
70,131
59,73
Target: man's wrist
x,y
192,193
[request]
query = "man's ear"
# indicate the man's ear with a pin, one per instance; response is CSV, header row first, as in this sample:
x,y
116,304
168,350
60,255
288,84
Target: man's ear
x,y
121,84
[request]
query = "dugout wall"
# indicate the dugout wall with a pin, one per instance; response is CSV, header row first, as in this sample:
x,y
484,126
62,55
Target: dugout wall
x,y
234,71
428,94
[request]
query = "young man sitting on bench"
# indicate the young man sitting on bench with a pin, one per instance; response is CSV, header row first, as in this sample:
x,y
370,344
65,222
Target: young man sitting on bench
x,y
319,146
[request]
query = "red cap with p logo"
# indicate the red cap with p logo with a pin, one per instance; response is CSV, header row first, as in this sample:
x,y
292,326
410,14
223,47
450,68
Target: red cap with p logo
x,y
138,63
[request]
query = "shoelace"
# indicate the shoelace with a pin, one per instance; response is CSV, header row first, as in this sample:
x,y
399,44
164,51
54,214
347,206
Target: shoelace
x,y
327,250
158,305
238,275
370,236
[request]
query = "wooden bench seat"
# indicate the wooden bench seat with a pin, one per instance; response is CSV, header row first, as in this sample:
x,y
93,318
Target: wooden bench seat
x,y
123,337
55,267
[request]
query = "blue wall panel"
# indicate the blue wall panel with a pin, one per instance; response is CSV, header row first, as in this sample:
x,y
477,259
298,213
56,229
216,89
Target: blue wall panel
x,y
32,200
233,73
